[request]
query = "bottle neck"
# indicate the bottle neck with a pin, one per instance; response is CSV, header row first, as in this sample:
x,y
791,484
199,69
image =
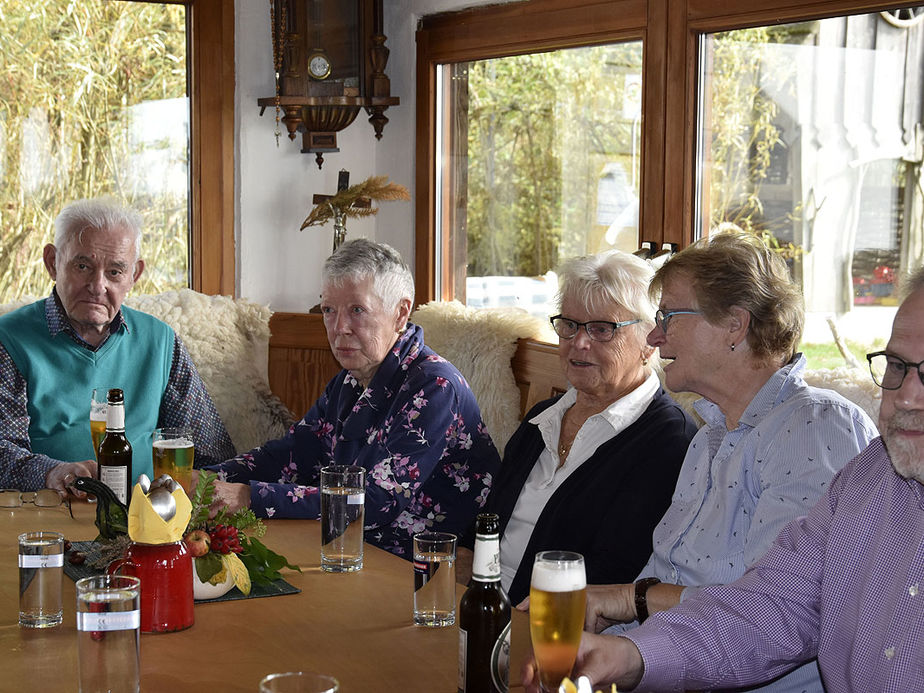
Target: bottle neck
x,y
115,418
486,561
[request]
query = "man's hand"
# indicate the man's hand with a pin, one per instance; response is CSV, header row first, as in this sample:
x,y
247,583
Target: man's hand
x,y
601,658
608,604
231,496
59,476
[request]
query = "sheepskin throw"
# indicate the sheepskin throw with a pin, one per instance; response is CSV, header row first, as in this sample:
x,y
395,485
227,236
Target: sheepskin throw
x,y
480,343
855,384
227,340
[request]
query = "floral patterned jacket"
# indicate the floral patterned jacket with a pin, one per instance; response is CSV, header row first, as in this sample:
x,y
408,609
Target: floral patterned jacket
x,y
416,429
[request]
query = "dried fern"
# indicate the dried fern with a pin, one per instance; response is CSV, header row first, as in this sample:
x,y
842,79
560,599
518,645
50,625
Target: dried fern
x,y
373,188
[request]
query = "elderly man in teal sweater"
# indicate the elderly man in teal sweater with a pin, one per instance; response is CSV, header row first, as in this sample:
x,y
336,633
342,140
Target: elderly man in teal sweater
x,y
55,351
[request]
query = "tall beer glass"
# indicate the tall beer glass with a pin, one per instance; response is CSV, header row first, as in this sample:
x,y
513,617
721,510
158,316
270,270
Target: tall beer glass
x,y
98,406
557,597
173,454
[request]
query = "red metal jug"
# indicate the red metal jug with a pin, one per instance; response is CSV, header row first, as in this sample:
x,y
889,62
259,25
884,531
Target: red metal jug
x,y
166,584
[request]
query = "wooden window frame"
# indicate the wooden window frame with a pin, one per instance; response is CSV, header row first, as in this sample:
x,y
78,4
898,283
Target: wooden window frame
x,y
211,89
670,32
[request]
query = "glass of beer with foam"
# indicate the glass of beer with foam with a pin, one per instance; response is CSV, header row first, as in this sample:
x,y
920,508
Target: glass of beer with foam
x,y
557,598
173,454
98,406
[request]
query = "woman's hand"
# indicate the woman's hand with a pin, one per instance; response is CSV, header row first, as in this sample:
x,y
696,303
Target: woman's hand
x,y
230,496
601,658
608,604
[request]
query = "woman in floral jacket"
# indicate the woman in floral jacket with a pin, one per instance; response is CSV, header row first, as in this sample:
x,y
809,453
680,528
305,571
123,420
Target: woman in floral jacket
x,y
397,409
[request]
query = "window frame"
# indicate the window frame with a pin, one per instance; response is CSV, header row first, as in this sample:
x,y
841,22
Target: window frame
x,y
536,26
670,31
211,92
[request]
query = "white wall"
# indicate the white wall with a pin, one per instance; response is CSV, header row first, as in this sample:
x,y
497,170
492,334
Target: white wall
x,y
277,264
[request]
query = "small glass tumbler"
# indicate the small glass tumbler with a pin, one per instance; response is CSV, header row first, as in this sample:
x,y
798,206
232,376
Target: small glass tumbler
x,y
299,682
343,493
41,564
108,634
434,579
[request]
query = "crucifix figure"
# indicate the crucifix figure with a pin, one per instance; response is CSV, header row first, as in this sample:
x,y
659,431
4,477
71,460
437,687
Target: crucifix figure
x,y
340,212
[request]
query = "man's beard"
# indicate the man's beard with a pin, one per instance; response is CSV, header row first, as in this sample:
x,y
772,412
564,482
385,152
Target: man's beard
x,y
906,455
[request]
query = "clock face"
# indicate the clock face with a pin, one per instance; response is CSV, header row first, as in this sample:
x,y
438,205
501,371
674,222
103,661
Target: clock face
x,y
319,66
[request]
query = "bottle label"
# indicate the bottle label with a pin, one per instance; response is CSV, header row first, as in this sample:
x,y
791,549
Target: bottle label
x,y
115,478
500,660
463,654
115,418
486,562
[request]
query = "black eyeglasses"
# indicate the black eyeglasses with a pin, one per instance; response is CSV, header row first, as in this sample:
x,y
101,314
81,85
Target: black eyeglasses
x,y
597,330
663,317
43,498
889,371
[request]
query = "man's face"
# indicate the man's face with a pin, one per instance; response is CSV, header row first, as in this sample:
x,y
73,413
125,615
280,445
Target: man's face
x,y
93,273
901,415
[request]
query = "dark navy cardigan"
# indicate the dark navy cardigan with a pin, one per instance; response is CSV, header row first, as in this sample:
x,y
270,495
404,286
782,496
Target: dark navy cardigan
x,y
608,508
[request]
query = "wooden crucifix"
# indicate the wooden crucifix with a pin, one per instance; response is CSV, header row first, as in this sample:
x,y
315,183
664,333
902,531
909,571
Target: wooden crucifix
x,y
343,182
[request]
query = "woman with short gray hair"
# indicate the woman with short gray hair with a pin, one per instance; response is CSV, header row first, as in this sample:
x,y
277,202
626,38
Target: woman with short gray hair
x,y
397,409
592,470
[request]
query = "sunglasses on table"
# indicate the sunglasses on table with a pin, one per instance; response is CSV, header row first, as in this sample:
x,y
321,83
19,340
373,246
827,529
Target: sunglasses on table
x,y
43,498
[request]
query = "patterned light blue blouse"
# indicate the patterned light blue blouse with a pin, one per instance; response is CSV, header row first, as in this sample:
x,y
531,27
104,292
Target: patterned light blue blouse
x,y
416,429
738,489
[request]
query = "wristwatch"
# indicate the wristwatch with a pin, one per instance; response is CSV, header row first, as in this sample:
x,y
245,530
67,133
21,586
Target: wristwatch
x,y
641,599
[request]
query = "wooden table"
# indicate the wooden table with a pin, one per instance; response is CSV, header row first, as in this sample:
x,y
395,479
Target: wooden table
x,y
356,626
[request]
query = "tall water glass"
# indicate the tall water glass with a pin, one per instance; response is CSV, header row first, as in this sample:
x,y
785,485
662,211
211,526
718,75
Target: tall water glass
x,y
99,404
41,564
299,682
557,598
173,454
434,579
108,633
343,493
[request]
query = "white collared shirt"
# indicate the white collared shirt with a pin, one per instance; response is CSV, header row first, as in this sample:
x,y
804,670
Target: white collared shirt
x,y
546,475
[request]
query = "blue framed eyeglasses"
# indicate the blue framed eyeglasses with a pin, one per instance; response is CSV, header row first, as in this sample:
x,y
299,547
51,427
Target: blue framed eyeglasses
x,y
663,317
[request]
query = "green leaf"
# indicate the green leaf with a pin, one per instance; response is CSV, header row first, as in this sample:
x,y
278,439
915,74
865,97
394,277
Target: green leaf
x,y
208,566
262,563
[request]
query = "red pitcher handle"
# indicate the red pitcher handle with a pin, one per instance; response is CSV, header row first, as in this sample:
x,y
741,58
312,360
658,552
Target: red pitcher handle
x,y
116,565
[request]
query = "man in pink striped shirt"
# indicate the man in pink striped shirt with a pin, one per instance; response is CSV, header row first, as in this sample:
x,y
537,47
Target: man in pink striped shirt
x,y
844,583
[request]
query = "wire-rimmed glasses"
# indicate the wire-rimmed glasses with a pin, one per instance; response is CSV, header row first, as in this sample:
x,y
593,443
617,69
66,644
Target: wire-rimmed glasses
x,y
663,317
43,498
597,330
889,371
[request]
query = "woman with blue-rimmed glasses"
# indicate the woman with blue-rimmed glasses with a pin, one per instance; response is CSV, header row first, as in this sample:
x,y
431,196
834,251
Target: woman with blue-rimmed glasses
x,y
728,324
592,471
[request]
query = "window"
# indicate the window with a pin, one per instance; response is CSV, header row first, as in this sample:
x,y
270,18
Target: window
x,y
810,136
542,154
85,115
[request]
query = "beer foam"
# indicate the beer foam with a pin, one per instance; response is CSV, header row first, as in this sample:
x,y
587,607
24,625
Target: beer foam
x,y
173,444
559,577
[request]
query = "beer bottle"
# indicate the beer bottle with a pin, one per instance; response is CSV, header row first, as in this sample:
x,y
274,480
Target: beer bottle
x,y
114,457
484,616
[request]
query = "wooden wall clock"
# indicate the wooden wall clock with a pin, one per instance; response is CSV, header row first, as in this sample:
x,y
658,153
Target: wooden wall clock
x,y
329,60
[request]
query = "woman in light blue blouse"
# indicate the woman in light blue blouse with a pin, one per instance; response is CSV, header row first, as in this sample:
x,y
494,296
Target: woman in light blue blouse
x,y
729,322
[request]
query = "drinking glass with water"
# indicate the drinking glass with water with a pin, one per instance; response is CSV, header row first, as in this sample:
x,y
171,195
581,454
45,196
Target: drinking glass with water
x,y
434,579
41,564
343,493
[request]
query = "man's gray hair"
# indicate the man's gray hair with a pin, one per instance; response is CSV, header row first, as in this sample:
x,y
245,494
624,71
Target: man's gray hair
x,y
360,258
99,214
912,282
611,278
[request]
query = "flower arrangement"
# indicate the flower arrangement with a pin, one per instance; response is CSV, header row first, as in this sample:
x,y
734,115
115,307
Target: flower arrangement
x,y
228,543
